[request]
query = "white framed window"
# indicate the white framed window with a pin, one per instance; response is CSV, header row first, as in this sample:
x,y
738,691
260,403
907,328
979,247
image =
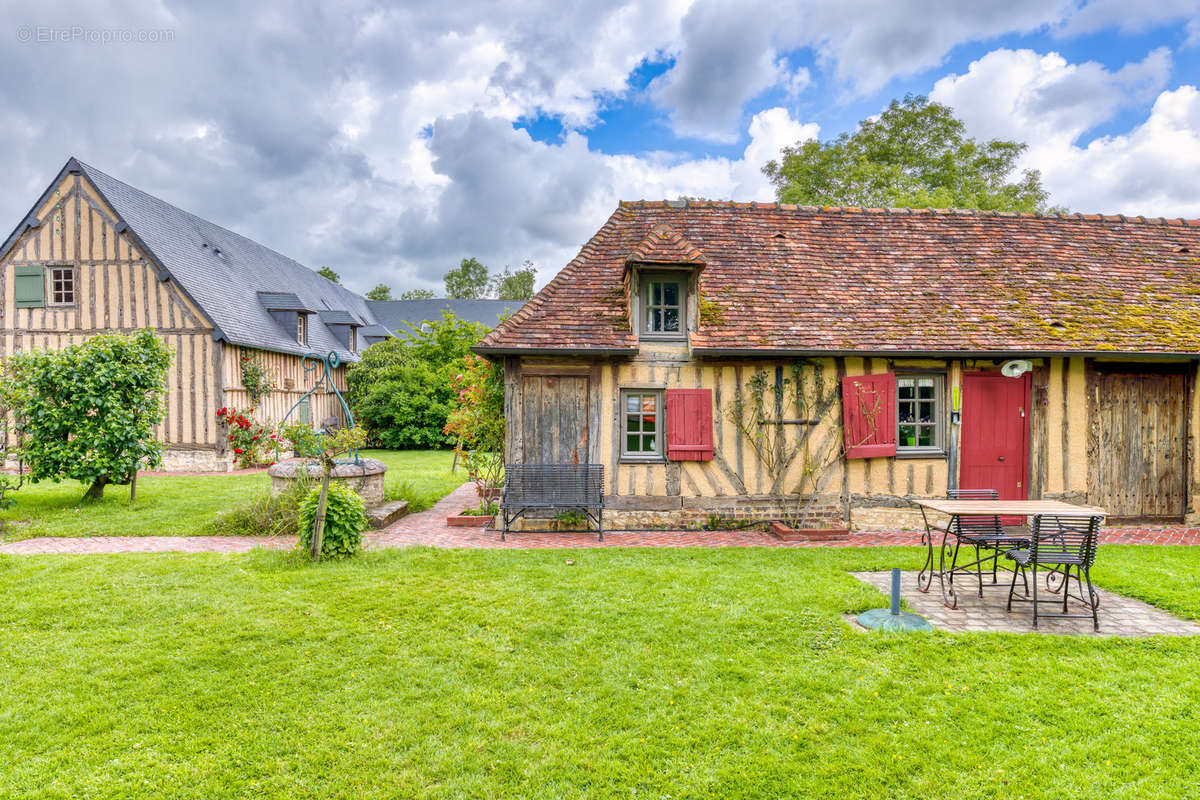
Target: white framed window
x,y
642,427
302,328
62,285
919,413
664,308
353,339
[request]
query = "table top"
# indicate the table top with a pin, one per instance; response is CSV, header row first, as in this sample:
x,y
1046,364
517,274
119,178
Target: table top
x,y
1013,508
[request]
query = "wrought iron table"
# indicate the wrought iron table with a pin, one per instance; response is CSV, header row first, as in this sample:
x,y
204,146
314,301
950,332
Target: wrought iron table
x,y
976,508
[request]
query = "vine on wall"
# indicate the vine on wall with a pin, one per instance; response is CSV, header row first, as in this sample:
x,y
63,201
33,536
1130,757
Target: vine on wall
x,y
781,417
256,379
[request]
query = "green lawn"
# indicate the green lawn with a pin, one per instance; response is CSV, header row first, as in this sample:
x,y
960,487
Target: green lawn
x,y
599,673
182,505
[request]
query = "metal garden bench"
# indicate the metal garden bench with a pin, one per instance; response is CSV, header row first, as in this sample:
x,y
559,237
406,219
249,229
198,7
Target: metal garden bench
x,y
553,487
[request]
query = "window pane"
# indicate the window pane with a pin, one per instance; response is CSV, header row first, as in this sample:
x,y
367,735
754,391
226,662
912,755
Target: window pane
x,y
656,294
904,388
670,294
648,423
631,443
648,444
633,403
633,424
908,435
671,320
905,410
927,438
926,411
649,401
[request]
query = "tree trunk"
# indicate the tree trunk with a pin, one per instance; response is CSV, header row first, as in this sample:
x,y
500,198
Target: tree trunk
x,y
133,488
319,522
96,491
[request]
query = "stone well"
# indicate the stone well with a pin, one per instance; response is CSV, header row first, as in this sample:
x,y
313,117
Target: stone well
x,y
364,477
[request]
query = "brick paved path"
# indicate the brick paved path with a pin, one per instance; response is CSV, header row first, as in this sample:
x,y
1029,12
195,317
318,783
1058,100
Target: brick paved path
x,y
1119,615
429,528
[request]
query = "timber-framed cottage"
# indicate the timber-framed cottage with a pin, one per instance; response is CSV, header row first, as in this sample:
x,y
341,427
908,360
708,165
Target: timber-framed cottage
x,y
728,359
96,255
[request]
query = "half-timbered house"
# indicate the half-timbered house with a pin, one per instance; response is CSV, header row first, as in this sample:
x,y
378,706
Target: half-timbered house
x,y
97,255
711,355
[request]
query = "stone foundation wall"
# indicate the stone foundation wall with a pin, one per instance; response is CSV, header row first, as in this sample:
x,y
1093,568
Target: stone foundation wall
x,y
177,460
674,513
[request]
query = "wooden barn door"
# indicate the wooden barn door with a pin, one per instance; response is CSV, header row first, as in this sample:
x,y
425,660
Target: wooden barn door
x,y
554,417
1137,444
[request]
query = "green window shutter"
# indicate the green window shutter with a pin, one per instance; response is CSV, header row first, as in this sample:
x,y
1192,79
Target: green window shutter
x,y
305,414
30,286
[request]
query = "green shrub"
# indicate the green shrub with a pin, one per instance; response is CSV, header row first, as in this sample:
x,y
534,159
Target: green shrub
x,y
345,520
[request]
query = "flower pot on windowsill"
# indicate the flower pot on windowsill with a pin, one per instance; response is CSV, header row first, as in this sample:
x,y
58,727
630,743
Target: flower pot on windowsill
x,y
466,520
785,533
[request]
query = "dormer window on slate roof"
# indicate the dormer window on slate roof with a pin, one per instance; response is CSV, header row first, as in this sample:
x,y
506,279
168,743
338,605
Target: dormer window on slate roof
x,y
663,284
343,325
289,311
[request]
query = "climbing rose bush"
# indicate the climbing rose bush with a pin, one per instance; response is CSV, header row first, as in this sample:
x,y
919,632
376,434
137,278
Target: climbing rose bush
x,y
246,436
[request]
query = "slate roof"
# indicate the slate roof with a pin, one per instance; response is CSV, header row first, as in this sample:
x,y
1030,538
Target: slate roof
x,y
405,316
782,279
223,272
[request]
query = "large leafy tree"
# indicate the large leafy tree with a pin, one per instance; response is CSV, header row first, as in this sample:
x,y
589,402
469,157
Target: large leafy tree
x,y
402,389
416,294
467,281
381,292
915,154
88,412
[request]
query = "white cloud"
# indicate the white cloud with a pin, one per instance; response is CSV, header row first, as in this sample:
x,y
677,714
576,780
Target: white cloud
x,y
1049,103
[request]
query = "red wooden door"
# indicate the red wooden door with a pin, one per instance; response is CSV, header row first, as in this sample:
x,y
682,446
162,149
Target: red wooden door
x,y
995,435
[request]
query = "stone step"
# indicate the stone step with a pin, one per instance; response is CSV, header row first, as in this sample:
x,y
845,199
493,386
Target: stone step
x,y
384,514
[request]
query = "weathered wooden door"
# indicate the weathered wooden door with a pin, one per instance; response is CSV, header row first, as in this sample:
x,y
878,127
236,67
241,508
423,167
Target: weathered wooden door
x,y
995,434
1137,444
554,417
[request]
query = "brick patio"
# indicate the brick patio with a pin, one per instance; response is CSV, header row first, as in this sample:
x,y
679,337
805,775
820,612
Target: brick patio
x,y
1119,615
429,528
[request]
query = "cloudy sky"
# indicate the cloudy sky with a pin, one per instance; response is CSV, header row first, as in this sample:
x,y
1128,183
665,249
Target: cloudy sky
x,y
388,141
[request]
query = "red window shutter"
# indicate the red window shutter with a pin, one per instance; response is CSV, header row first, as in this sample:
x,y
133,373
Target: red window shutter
x,y
869,415
689,424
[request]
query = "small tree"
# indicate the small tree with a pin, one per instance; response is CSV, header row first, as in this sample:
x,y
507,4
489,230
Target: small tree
x,y
88,412
343,441
326,272
477,422
381,292
416,294
514,285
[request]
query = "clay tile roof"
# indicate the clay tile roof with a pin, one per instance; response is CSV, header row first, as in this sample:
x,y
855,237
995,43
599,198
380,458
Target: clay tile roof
x,y
786,279
664,246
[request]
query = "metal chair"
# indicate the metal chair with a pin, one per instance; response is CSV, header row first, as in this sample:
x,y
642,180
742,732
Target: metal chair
x,y
1060,543
984,532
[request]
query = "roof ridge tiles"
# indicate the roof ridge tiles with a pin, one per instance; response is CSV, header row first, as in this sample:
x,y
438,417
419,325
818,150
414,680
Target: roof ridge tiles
x,y
725,205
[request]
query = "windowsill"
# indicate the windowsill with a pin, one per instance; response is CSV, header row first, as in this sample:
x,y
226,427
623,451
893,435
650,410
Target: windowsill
x,y
917,452
61,305
626,459
664,337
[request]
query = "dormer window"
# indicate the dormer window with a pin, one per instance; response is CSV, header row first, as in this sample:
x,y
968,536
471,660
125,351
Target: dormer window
x,y
302,328
664,304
